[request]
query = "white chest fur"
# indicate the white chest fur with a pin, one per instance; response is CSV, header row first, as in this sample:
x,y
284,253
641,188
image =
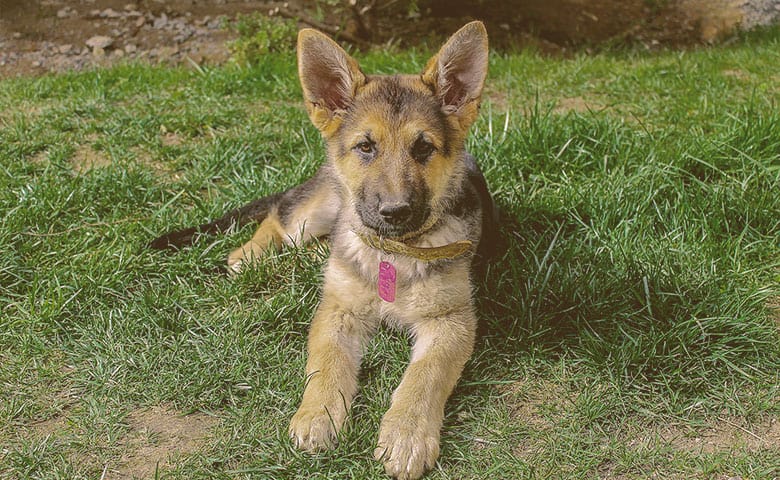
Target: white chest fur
x,y
423,289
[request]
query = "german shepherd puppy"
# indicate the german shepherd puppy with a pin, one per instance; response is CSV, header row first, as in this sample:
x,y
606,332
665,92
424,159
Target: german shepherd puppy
x,y
407,211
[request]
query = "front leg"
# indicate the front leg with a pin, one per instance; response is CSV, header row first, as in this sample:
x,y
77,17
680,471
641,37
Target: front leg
x,y
409,435
336,341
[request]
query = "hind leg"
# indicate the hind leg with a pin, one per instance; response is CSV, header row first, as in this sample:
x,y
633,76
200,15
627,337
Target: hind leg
x,y
304,212
269,236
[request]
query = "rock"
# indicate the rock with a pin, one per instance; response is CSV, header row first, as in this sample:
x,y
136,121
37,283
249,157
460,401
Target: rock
x,y
140,22
65,12
183,37
63,49
166,53
110,13
130,48
161,21
100,41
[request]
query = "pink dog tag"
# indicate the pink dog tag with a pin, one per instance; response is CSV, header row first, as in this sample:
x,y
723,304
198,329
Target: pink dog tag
x,y
386,283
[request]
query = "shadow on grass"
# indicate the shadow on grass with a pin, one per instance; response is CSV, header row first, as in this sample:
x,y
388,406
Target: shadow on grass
x,y
629,314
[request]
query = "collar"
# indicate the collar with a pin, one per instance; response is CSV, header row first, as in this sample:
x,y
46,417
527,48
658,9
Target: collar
x,y
427,254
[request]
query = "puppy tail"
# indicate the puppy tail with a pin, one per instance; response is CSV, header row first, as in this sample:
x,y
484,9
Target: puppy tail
x,y
253,212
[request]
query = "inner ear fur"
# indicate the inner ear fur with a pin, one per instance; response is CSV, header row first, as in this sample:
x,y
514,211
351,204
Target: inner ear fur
x,y
330,78
457,73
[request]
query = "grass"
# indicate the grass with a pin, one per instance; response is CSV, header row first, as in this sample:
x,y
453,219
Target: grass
x,y
627,332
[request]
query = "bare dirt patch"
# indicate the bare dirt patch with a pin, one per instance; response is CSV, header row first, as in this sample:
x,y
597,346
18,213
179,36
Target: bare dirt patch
x,y
736,73
543,407
157,437
171,139
539,406
57,35
49,395
728,434
21,110
577,104
40,159
715,17
39,36
159,168
46,428
85,158
498,99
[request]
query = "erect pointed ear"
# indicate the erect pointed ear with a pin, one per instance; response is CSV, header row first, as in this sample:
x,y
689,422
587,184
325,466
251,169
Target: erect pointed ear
x,y
457,73
329,76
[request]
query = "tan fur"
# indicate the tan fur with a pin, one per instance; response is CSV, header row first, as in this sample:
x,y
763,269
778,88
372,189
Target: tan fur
x,y
326,120
267,237
310,219
433,299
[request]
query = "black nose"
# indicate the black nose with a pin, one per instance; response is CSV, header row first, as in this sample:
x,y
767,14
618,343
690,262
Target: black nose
x,y
396,213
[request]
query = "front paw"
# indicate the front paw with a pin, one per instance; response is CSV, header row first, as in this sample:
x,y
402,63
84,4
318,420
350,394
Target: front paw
x,y
313,429
406,447
237,260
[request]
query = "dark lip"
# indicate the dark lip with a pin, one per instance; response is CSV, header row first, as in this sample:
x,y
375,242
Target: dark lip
x,y
391,231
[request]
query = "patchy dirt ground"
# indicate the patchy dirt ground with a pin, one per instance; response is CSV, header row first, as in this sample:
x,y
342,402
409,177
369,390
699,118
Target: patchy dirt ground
x,y
545,406
157,436
59,35
38,36
155,439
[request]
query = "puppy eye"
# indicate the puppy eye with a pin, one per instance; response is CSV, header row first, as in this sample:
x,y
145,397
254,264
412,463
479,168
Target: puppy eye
x,y
366,148
422,149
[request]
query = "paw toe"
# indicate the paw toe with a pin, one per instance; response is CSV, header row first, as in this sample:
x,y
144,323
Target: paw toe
x,y
407,455
312,431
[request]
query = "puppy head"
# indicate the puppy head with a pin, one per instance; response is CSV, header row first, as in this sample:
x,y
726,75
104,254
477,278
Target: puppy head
x,y
397,142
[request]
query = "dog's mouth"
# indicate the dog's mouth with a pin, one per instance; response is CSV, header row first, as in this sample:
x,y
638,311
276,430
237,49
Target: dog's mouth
x,y
394,232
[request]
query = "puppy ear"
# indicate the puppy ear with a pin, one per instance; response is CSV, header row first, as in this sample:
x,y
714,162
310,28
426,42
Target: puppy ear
x,y
329,76
457,73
